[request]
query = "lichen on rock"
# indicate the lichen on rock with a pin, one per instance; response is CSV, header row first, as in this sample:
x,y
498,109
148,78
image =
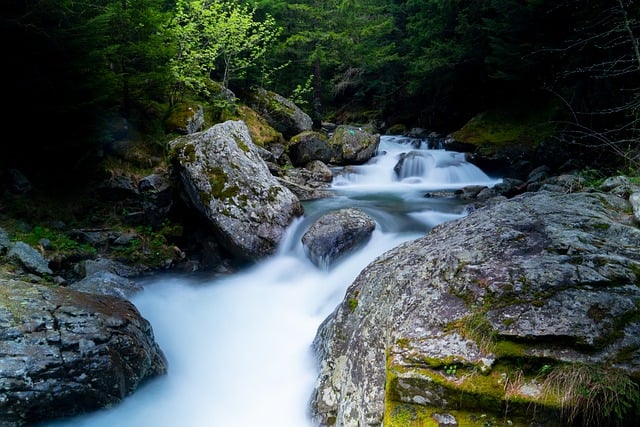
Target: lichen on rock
x,y
473,317
226,180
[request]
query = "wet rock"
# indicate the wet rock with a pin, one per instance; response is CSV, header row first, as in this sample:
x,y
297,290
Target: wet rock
x,y
337,234
106,283
353,145
64,352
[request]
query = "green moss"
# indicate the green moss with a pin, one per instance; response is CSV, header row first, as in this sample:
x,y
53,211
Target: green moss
x,y
401,414
261,132
15,305
474,398
509,349
403,342
241,144
61,244
218,181
353,301
274,193
183,151
516,126
189,153
179,115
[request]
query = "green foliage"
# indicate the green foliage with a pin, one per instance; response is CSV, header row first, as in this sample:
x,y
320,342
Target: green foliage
x,y
216,36
60,243
450,369
301,94
150,247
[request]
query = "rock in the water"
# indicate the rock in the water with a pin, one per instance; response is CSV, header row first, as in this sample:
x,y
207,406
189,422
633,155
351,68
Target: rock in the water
x,y
227,181
337,234
353,145
64,352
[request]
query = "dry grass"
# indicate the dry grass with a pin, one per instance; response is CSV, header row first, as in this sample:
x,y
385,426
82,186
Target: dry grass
x,y
592,395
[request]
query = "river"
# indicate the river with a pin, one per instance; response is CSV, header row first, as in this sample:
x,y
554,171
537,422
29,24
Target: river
x,y
238,346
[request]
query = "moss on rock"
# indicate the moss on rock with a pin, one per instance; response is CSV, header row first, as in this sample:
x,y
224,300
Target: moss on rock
x,y
262,134
494,130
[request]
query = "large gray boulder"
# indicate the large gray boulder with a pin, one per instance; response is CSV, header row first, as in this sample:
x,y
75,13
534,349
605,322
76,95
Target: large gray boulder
x,y
64,352
227,181
488,315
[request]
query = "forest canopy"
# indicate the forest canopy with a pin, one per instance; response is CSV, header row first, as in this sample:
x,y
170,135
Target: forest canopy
x,y
73,64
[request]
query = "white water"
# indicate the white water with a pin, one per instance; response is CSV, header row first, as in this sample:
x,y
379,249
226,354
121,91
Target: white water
x,y
238,347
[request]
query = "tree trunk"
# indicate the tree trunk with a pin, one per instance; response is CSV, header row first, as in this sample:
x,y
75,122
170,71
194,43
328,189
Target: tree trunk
x,y
317,93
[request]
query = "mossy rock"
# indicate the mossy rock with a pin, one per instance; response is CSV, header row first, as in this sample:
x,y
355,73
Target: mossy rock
x,y
180,116
414,395
262,134
517,127
397,129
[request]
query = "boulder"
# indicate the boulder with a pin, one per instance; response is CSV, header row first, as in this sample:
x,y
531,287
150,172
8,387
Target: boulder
x,y
29,258
64,352
353,145
185,119
309,146
281,113
227,181
310,182
489,314
336,234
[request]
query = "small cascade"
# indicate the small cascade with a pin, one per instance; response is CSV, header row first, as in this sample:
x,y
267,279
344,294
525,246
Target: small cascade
x,y
414,164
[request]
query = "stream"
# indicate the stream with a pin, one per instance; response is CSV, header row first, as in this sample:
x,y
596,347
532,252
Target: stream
x,y
238,346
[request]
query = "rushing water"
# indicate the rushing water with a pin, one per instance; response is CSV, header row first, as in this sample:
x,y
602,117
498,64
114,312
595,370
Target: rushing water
x,y
238,347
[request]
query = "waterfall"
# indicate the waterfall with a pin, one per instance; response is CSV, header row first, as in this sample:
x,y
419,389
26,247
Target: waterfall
x,y
238,346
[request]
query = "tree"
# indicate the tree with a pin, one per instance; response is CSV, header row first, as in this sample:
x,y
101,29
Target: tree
x,y
216,37
69,63
445,47
600,84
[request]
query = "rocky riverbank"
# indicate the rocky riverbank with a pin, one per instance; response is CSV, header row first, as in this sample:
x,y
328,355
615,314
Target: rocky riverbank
x,y
526,310
540,277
